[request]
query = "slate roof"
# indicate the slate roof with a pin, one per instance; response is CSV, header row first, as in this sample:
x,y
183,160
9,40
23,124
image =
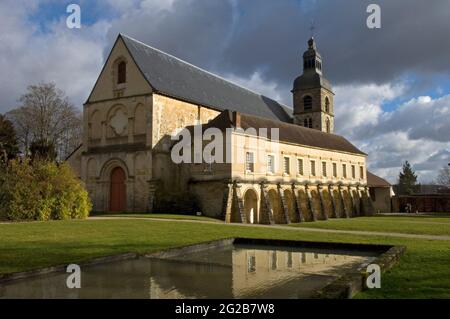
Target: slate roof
x,y
289,133
171,76
376,181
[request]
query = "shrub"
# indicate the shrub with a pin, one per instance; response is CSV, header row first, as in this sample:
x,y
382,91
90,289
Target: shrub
x,y
41,190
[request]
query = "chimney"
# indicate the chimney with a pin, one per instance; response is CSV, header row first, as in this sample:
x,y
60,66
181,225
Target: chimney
x,y
236,119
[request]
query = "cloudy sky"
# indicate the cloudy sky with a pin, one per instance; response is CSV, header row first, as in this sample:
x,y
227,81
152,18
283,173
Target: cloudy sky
x,y
392,85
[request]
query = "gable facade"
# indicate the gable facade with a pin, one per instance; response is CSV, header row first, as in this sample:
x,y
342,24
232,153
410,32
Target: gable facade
x,y
129,117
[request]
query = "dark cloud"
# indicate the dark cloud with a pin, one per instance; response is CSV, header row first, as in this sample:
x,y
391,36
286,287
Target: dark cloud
x,y
242,37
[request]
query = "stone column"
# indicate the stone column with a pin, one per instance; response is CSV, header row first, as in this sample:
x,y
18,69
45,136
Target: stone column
x,y
352,213
298,206
267,212
333,202
240,204
344,207
283,204
369,204
322,201
310,203
228,202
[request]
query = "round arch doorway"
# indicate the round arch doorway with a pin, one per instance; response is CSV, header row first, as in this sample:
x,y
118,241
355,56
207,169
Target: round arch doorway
x,y
118,191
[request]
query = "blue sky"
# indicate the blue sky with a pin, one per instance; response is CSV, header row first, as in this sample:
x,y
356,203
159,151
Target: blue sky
x,y
392,85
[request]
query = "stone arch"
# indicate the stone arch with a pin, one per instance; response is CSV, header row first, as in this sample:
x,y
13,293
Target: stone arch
x,y
290,205
106,173
95,125
140,120
303,197
328,125
277,210
251,206
347,202
356,201
316,203
327,203
338,202
107,168
117,119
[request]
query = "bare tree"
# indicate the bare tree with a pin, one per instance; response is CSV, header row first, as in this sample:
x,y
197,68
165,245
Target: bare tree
x,y
443,177
47,115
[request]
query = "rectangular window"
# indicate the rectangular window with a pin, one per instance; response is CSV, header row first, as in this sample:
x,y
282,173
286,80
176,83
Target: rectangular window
x,y
270,164
300,166
286,166
344,170
313,168
334,170
353,171
361,172
249,162
251,265
324,169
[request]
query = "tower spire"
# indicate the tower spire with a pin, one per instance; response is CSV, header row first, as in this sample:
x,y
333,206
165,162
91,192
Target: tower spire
x,y
313,95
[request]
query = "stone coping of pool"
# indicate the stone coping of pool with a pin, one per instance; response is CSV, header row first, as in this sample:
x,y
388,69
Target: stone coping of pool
x,y
343,287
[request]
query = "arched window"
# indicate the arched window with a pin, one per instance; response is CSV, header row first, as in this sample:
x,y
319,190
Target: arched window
x,y
307,102
328,126
121,72
327,105
310,123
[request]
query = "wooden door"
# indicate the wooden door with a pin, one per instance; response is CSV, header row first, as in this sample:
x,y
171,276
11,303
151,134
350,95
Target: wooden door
x,y
118,192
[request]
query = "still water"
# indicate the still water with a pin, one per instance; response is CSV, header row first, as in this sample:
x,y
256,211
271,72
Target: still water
x,y
236,271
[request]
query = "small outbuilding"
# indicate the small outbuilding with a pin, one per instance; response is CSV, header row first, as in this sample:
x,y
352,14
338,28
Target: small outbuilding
x,y
380,192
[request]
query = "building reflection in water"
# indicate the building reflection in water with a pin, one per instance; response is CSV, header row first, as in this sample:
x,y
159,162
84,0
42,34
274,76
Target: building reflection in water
x,y
241,271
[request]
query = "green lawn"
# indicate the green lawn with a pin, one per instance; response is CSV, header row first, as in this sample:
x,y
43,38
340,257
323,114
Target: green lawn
x,y
424,271
408,225
165,216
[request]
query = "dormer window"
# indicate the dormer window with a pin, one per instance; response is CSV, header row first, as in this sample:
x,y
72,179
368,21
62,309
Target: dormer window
x,y
121,72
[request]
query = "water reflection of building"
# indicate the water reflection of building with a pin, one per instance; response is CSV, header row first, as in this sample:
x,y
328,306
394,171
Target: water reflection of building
x,y
250,273
257,269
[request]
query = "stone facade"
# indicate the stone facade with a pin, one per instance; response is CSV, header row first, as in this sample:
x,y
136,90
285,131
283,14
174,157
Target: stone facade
x,y
128,126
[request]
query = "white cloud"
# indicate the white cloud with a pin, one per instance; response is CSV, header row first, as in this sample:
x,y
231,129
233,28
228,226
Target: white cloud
x,y
417,130
71,58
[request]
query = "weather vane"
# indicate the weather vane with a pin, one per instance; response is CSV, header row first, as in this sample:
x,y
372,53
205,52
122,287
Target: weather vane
x,y
312,27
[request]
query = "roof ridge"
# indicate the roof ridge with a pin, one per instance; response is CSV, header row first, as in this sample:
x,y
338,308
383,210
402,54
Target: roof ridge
x,y
203,70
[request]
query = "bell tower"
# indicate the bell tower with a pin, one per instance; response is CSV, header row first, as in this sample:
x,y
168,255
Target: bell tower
x,y
313,95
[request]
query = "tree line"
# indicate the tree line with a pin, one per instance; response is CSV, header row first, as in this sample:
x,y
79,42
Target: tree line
x,y
44,124
35,138
407,180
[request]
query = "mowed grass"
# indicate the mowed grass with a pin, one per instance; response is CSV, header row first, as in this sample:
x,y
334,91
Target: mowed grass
x,y
424,271
166,216
407,225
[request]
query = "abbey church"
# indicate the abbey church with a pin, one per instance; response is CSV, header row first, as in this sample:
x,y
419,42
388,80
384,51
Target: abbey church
x,y
143,95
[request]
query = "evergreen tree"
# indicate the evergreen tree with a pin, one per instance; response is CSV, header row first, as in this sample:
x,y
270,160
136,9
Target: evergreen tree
x,y
407,181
